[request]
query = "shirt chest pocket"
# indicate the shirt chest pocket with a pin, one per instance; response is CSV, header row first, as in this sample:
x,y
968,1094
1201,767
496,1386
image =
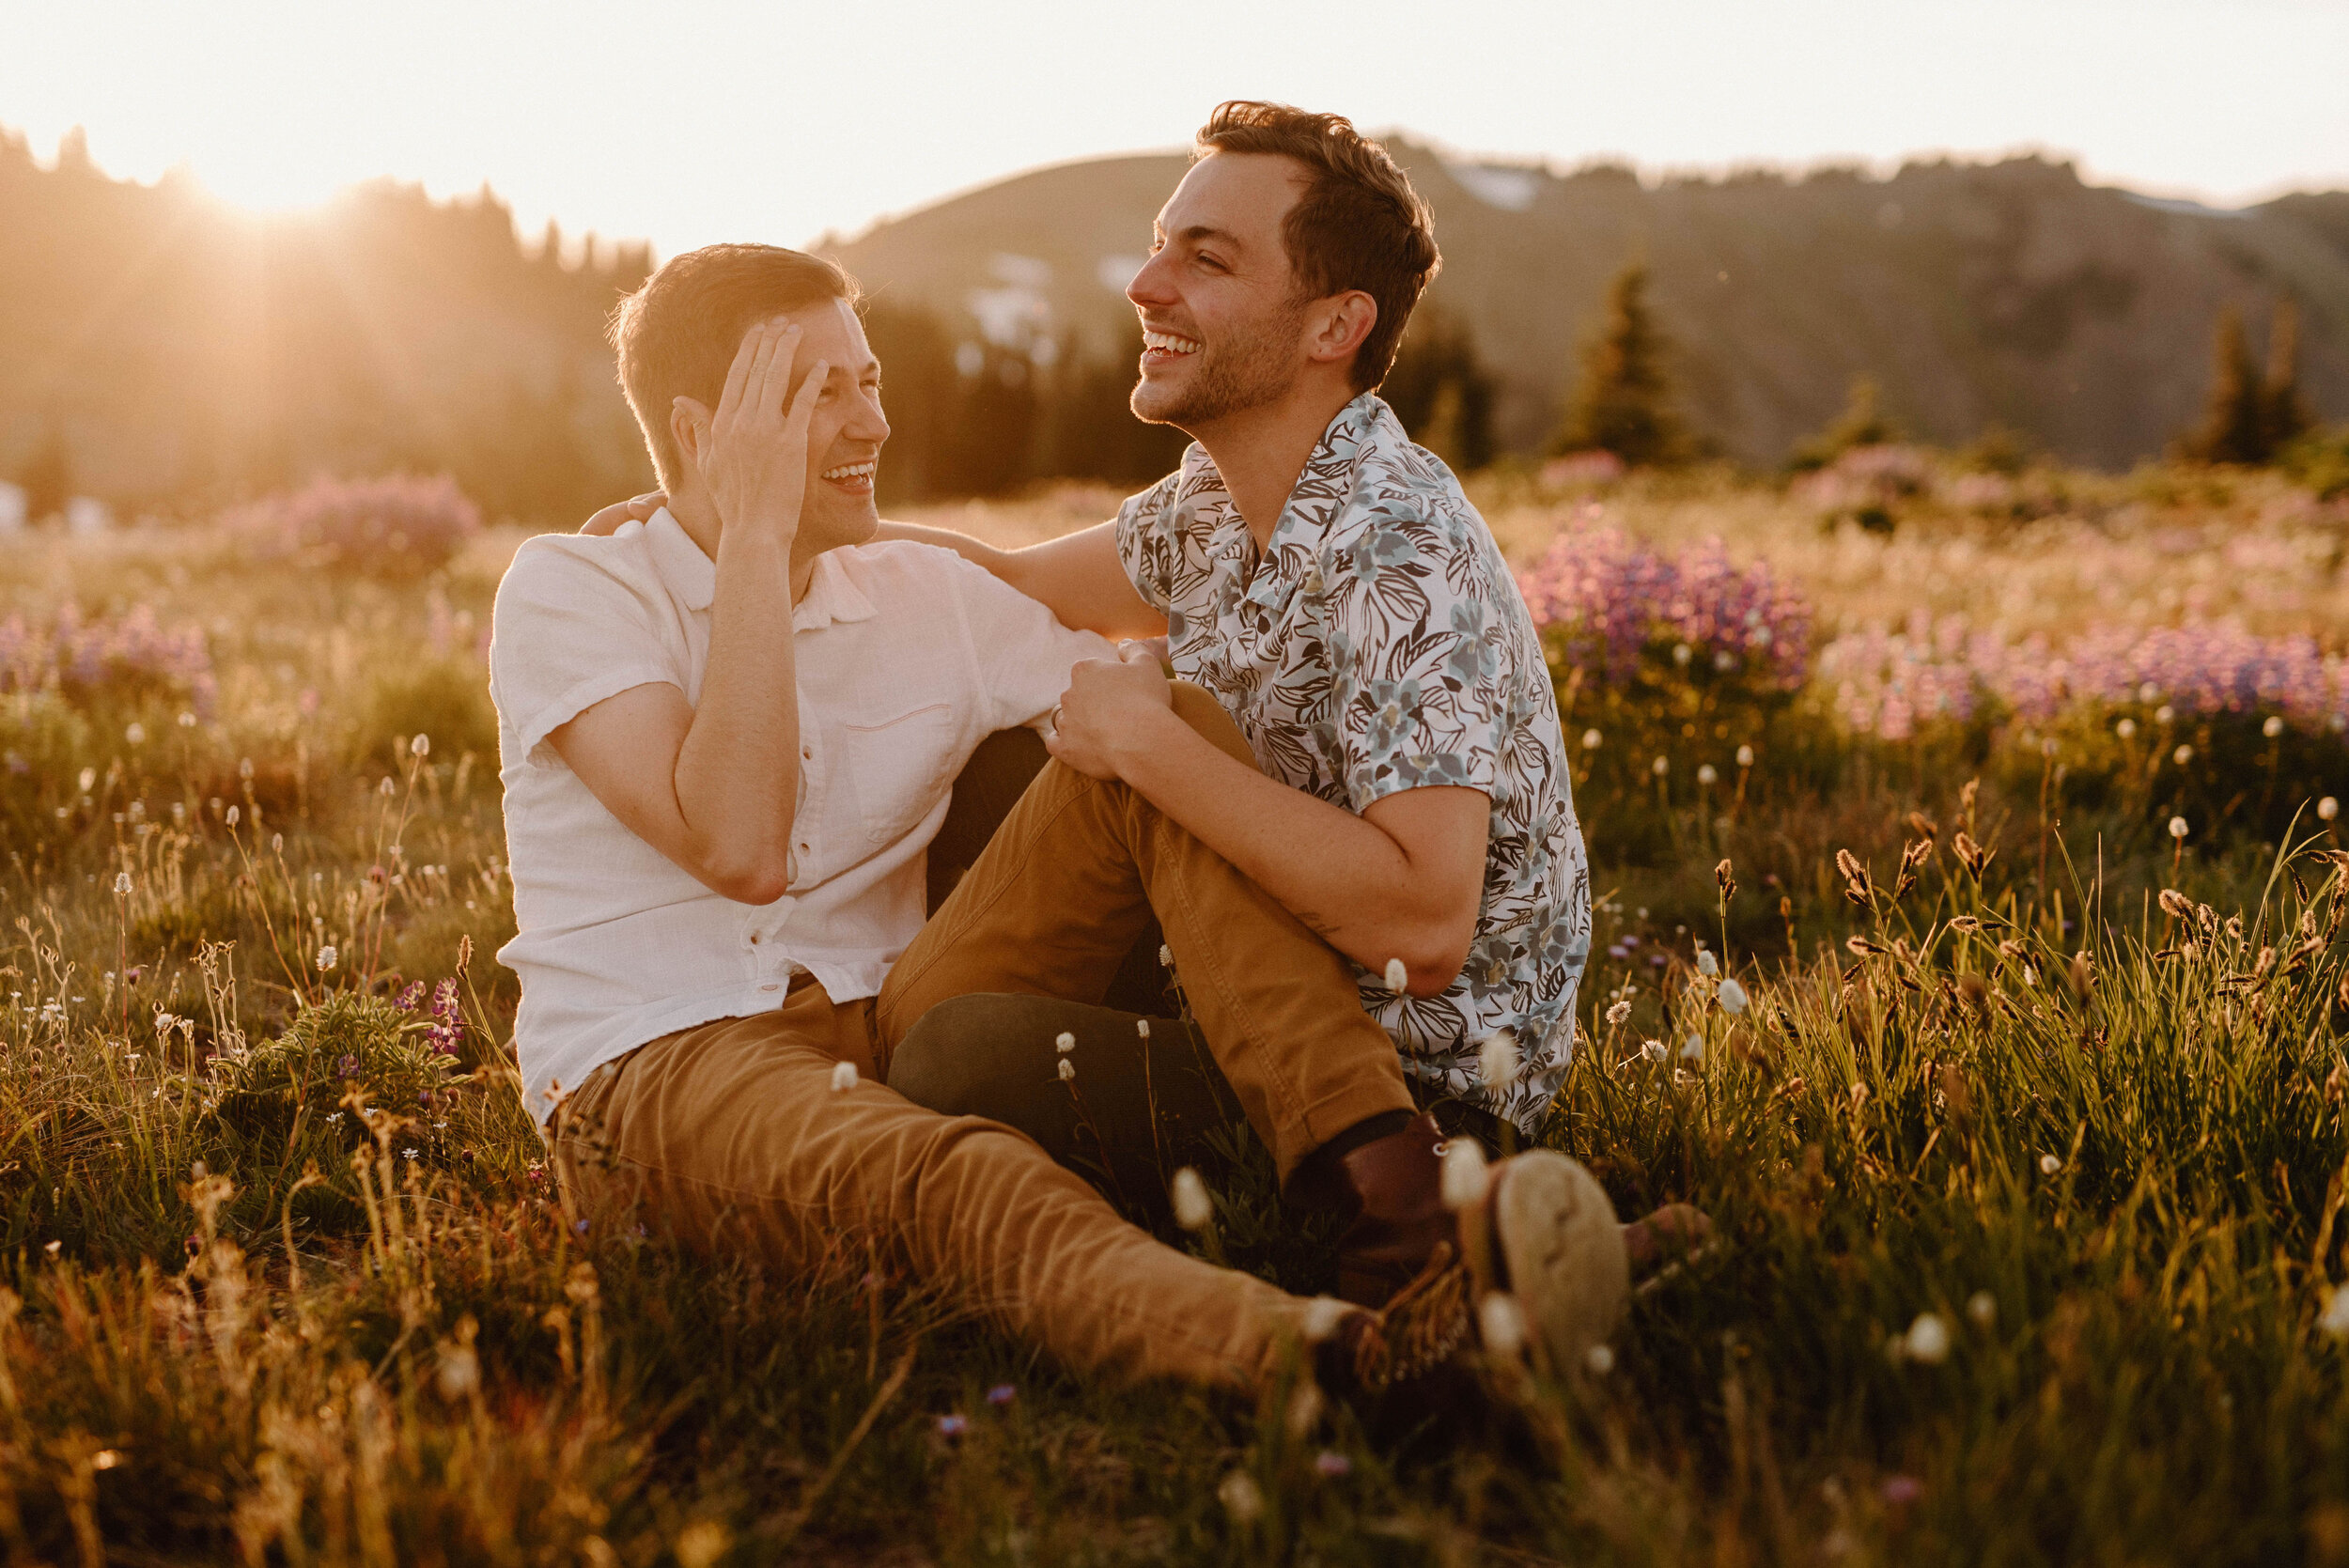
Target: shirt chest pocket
x,y
893,770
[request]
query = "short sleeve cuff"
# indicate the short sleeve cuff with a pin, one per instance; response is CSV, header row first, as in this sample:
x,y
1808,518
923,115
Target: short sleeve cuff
x,y
530,733
1410,771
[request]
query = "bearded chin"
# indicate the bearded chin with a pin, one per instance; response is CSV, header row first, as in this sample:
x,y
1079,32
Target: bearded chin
x,y
1249,377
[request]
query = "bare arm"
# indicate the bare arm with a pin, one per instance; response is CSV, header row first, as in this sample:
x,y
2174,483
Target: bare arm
x,y
714,786
1078,577
1402,880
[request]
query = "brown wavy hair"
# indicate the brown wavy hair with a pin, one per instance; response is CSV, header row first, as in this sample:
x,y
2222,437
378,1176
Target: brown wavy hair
x,y
1358,224
678,333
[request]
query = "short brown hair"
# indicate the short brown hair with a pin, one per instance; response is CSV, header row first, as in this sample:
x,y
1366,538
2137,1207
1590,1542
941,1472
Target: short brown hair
x,y
678,333
1360,224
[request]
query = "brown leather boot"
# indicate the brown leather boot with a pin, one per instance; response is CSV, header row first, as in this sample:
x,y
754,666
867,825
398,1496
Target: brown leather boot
x,y
1388,1197
1536,1259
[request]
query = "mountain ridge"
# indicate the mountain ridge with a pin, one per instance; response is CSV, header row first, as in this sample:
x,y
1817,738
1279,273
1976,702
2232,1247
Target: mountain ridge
x,y
2006,293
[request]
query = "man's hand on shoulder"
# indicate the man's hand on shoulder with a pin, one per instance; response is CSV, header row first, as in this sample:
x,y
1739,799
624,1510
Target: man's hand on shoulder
x,y
1111,706
635,510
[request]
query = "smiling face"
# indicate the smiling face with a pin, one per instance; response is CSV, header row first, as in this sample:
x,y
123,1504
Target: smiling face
x,y
846,432
1223,323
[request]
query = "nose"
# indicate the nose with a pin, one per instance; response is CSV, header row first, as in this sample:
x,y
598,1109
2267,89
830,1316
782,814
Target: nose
x,y
1154,283
866,422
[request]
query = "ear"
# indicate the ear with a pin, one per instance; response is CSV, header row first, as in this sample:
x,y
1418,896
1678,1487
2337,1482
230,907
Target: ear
x,y
689,426
1345,321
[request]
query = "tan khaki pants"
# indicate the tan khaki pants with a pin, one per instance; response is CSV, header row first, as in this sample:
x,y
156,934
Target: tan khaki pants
x,y
730,1134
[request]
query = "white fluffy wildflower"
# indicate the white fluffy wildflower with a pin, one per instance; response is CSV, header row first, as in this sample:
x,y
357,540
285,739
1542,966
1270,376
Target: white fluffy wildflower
x,y
1652,1050
1064,1041
1193,1209
1619,1012
1241,1498
420,746
1497,1059
1692,1050
2273,728
1323,1316
327,958
2177,827
1707,775
844,1077
1706,963
122,881
1983,1307
1067,1069
1600,1360
1733,997
1397,976
1465,1173
1141,1027
1928,1340
2335,1318
1501,1323
2049,1165
2327,809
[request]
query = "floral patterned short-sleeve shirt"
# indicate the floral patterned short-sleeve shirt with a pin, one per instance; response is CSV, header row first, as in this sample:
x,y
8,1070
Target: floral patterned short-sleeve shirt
x,y
1379,644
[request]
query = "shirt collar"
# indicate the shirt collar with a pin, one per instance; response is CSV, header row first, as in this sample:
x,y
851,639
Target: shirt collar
x,y
690,574
832,593
832,596
1316,501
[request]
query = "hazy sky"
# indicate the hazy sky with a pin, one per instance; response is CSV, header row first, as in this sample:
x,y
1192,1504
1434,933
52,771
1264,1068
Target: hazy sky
x,y
696,120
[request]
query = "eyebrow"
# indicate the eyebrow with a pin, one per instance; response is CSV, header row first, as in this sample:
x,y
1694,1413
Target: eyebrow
x,y
1198,232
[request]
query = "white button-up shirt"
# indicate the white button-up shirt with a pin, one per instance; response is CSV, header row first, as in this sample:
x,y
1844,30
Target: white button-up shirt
x,y
908,658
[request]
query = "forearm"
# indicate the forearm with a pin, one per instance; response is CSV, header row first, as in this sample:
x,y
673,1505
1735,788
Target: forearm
x,y
1340,874
1078,577
1003,564
737,771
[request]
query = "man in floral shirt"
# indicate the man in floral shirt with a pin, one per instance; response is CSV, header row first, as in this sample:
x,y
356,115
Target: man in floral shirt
x,y
1328,582
1379,644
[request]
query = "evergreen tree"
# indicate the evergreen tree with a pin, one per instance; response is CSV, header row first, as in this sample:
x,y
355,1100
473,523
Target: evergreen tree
x,y
1862,423
2287,416
1623,404
47,476
1440,389
2234,418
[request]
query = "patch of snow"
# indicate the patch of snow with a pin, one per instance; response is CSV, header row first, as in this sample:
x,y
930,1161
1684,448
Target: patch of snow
x,y
1510,189
2183,207
1021,272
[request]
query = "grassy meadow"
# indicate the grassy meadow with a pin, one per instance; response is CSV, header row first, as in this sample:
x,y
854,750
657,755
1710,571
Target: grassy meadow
x,y
1969,944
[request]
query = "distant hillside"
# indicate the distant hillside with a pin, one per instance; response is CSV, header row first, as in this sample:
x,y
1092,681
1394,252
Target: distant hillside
x,y
158,348
2009,293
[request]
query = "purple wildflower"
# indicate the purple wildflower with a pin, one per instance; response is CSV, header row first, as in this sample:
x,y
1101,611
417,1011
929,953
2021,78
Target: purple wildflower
x,y
448,1020
1610,600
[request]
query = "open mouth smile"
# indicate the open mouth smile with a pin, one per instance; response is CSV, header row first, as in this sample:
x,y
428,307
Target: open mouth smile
x,y
856,478
1158,348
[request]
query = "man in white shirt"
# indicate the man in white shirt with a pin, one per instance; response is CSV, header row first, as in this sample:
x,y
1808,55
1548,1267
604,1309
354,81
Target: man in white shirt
x,y
728,733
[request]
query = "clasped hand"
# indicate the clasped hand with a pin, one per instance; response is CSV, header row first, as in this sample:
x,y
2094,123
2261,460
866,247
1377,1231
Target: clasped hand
x,y
1110,707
